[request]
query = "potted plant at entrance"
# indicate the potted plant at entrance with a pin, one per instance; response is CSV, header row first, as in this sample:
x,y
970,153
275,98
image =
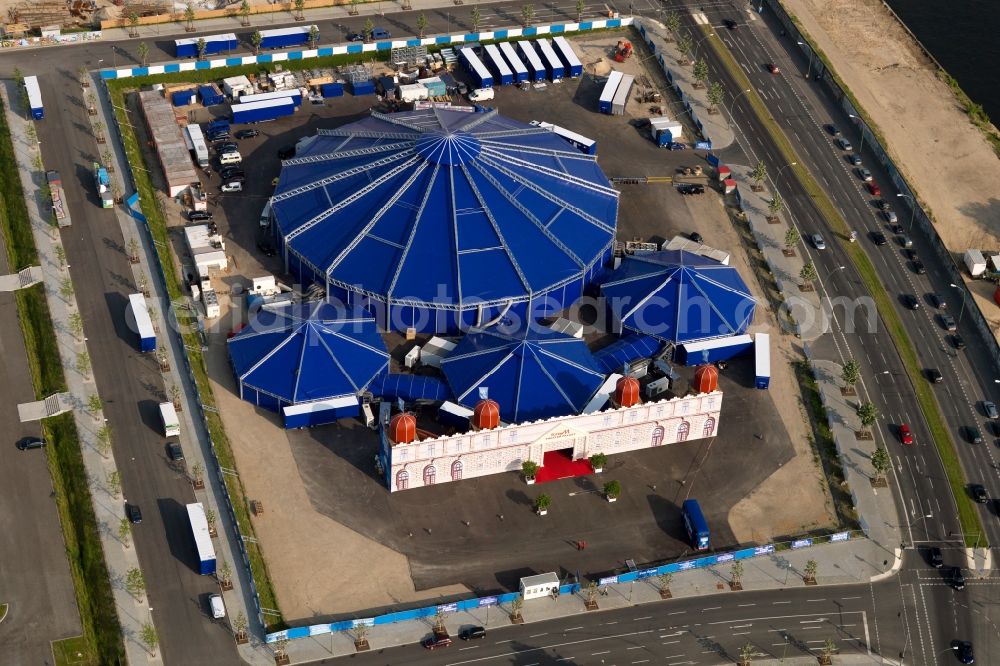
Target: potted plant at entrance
x,y
529,468
612,489
598,461
542,503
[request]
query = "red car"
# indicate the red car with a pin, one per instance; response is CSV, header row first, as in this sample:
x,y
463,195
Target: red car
x,y
905,436
874,189
771,67
435,642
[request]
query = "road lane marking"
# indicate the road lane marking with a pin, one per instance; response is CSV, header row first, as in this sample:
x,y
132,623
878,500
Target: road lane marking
x,y
741,626
670,642
594,654
615,622
504,641
543,648
471,647
641,661
740,633
745,605
648,617
710,608
573,628
537,635
780,602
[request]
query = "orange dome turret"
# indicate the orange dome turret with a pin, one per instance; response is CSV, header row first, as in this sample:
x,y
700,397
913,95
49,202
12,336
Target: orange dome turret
x,y
402,428
486,415
706,379
626,392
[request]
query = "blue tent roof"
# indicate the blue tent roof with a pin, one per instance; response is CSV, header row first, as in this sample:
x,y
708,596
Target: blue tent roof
x,y
678,296
439,206
306,352
619,353
532,375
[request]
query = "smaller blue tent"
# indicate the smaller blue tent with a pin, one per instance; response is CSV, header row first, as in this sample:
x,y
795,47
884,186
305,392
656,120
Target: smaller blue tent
x,y
678,297
532,375
306,352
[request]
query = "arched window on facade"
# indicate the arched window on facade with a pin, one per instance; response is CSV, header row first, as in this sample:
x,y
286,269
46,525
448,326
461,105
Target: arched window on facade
x,y
683,430
402,480
657,436
709,427
430,475
456,470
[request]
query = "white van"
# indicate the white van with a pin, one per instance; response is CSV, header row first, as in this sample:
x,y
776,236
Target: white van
x,y
481,94
217,606
231,158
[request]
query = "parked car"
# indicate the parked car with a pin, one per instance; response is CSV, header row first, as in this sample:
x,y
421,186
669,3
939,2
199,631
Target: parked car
x,y
882,204
910,254
974,435
26,443
935,557
990,409
472,633
435,642
905,436
854,160
199,216
238,177
948,322
247,133
286,152
896,228
771,67
843,143
218,135
227,147
890,217
231,186
937,300
957,341
874,189
918,267
695,237
963,650
216,605
230,171
934,375
864,174
879,238
818,242
729,23
380,33
905,241
691,188
133,513
911,302
174,452
676,145
355,37
832,129
979,493
266,248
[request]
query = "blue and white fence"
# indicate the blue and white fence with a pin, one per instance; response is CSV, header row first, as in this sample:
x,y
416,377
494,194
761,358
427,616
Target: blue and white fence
x,y
358,49
483,602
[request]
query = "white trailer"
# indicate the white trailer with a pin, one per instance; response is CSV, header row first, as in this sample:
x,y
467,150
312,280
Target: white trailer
x,y
608,93
168,417
975,262
621,95
520,71
34,97
762,358
139,314
412,92
197,144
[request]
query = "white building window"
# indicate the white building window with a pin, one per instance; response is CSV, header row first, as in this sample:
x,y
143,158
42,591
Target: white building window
x,y
432,449
401,453
513,436
685,407
607,420
659,410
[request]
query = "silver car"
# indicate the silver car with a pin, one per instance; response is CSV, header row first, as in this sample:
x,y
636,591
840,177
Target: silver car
x,y
864,174
990,409
843,143
818,242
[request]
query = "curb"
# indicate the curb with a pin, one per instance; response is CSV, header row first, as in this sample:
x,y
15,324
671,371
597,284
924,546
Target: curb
x,y
896,566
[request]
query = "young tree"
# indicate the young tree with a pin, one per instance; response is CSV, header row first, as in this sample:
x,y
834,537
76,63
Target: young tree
x,y
142,283
108,157
665,579
812,566
716,94
83,363
598,461
701,72
880,463
300,6
240,624
737,573
527,14
808,273
851,373
475,17
612,489
421,25
133,249
225,572
313,36
580,6
135,584
775,205
439,621
829,649
369,27
354,7
759,173
361,635
189,17
66,287
529,468
672,22
94,403
542,503
143,52
61,255
244,13
255,40
114,482
104,440
746,654
685,43
202,47
515,608
210,518
99,131
133,24
149,638
868,413
792,238
84,76
281,647
125,531
76,324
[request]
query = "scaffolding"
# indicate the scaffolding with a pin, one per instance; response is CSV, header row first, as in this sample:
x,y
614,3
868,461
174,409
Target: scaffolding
x,y
408,55
357,73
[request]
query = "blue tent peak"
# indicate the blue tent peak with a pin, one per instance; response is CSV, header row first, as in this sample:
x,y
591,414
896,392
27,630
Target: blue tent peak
x,y
446,147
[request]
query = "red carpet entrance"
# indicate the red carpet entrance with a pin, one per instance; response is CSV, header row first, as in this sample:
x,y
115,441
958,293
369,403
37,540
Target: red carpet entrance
x,y
560,465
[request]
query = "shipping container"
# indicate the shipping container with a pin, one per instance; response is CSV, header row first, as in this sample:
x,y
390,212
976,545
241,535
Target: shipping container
x,y
695,524
183,97
34,97
202,538
259,112
280,38
320,412
608,93
234,86
552,61
292,93
363,88
198,145
435,86
712,351
520,71
578,141
762,360
574,67
498,65
622,95
536,70
210,95
665,131
481,76
335,89
412,92
139,317
188,47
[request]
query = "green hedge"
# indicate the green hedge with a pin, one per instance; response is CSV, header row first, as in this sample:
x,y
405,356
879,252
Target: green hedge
x,y
967,511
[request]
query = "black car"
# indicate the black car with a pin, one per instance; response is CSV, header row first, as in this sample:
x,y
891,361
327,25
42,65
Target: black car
x,y
472,633
355,37
879,238
910,301
833,130
918,267
881,204
937,300
956,578
266,248
175,452
227,147
957,342
286,153
230,171
221,135
234,178
247,134
133,513
896,229
696,237
963,650
936,557
979,493
854,159
199,215
26,443
691,188
974,435
910,254
729,23
934,375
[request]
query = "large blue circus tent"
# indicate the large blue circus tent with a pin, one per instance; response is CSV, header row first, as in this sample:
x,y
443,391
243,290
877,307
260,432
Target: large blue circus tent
x,y
678,297
441,220
531,375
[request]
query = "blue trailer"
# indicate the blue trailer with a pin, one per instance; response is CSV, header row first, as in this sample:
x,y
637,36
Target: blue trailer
x,y
552,61
183,97
218,125
696,525
321,412
335,89
712,351
762,360
481,75
34,97
363,88
498,66
262,111
387,85
211,95
280,38
573,65
188,47
520,71
608,93
536,70
202,539
143,325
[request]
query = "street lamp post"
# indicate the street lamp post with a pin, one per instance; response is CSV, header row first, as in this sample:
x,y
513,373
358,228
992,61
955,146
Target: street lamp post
x,y
961,310
913,208
697,44
777,177
808,71
862,123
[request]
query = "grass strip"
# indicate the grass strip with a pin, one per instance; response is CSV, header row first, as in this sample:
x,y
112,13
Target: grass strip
x,y
967,512
91,582
156,221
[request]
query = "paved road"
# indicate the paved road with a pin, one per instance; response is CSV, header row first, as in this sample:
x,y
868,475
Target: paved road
x,y
35,572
